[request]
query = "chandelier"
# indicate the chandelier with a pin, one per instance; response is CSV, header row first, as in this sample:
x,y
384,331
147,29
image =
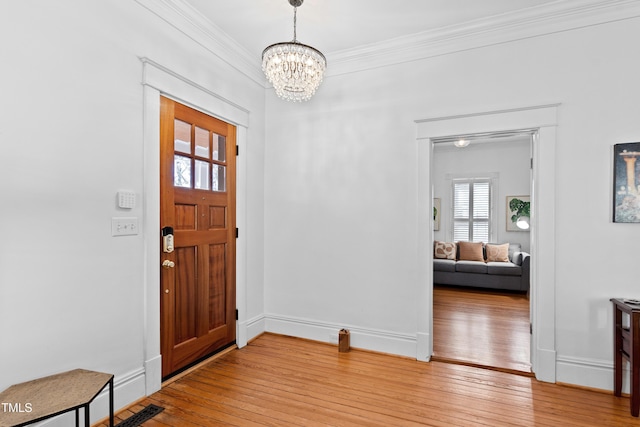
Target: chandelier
x,y
294,69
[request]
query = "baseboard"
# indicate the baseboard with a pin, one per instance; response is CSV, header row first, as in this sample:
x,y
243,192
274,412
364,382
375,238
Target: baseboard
x,y
255,327
424,347
368,339
153,374
126,389
596,374
545,365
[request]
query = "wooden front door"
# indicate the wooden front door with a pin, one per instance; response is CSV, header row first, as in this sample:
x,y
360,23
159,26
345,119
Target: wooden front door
x,y
197,187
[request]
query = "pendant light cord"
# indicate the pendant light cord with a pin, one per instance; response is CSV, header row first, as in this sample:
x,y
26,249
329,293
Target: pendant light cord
x,y
295,18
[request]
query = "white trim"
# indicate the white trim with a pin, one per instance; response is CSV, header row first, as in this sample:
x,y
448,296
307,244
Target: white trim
x,y
370,339
159,80
543,118
590,373
536,21
521,24
241,241
191,93
255,326
184,18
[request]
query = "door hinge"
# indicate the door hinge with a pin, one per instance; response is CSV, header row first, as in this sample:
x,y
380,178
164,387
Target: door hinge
x,y
236,314
237,232
237,150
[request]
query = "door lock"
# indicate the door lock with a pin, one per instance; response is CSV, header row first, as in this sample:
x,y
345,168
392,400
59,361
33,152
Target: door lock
x,y
168,264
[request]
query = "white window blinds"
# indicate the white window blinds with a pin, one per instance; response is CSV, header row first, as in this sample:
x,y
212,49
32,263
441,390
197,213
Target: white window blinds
x,y
471,210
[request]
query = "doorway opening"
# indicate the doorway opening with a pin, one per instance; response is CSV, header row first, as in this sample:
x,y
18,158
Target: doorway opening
x,y
477,321
159,80
543,119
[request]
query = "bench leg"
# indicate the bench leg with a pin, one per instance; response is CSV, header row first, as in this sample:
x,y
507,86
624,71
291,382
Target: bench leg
x,y
111,402
87,421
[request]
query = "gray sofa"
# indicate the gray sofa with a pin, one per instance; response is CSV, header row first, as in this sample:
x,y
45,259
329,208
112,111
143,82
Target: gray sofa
x,y
512,276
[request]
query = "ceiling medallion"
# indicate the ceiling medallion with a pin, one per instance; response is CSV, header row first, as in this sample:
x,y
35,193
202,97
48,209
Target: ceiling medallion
x,y
294,69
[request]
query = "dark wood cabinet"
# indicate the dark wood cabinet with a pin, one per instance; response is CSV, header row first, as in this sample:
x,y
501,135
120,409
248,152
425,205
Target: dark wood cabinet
x,y
627,345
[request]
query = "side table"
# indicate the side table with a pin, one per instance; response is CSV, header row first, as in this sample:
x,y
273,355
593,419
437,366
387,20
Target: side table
x,y
47,397
627,345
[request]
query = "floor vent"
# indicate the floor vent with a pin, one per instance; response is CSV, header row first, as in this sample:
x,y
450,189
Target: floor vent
x,y
140,417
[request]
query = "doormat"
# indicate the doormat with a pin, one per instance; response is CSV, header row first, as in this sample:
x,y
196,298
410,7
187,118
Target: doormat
x,y
140,417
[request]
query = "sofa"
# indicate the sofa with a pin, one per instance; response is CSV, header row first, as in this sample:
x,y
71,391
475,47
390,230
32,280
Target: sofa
x,y
502,266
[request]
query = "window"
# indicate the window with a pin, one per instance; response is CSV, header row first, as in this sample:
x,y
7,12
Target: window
x,y
472,209
200,159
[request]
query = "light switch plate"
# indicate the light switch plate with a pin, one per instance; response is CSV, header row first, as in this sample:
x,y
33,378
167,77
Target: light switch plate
x,y
124,226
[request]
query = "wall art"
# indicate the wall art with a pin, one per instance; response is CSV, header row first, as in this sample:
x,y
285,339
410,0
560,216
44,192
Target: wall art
x,y
518,213
626,182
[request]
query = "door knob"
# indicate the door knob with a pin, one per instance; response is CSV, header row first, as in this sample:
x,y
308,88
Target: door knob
x,y
168,263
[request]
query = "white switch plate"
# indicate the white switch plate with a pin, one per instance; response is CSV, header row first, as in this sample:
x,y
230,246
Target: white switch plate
x,y
124,226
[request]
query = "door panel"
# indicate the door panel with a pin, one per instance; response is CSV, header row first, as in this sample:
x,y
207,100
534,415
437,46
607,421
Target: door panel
x,y
185,294
217,290
198,202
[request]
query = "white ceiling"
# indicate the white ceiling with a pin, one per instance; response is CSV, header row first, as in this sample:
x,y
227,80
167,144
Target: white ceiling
x,y
337,25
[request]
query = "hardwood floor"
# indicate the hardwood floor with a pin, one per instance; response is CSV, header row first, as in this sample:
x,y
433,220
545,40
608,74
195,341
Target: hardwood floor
x,y
283,381
481,327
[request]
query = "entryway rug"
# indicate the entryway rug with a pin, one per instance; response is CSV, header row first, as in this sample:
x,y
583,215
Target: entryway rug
x,y
138,418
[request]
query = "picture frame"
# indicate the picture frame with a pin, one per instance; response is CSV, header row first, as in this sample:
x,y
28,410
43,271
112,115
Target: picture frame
x,y
626,185
436,214
518,213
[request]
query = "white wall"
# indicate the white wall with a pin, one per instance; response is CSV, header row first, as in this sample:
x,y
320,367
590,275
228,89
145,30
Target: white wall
x,y
338,245
340,212
506,159
71,131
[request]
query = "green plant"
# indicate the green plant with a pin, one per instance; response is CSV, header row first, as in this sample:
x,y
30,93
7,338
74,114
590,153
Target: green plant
x,y
520,207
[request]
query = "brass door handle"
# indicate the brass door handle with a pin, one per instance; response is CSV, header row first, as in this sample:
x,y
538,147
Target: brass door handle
x,y
168,264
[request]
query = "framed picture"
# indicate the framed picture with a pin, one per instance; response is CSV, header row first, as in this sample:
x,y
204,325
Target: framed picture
x,y
436,214
518,213
626,191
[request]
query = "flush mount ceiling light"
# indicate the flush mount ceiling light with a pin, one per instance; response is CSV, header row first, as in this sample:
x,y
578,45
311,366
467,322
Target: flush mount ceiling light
x,y
461,143
294,69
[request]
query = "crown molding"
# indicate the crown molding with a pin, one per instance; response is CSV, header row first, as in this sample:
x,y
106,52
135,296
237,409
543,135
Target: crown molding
x,y
549,18
184,18
558,16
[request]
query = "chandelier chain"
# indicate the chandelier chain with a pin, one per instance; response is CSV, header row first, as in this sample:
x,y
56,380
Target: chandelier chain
x,y
295,19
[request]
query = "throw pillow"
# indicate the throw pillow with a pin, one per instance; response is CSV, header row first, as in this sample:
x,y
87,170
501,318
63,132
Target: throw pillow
x,y
497,253
444,250
471,251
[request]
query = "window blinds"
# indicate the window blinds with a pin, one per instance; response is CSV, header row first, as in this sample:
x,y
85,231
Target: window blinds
x,y
471,210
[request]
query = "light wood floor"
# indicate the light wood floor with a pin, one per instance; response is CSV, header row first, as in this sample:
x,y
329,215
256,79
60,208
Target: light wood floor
x,y
282,381
481,327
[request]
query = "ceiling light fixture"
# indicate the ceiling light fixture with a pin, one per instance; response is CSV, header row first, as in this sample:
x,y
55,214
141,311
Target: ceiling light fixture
x,y
461,143
294,69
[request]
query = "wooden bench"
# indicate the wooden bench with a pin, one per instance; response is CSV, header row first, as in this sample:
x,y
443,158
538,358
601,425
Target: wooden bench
x,y
47,397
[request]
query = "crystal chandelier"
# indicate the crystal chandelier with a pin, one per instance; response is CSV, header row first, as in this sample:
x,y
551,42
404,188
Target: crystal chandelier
x,y
294,69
